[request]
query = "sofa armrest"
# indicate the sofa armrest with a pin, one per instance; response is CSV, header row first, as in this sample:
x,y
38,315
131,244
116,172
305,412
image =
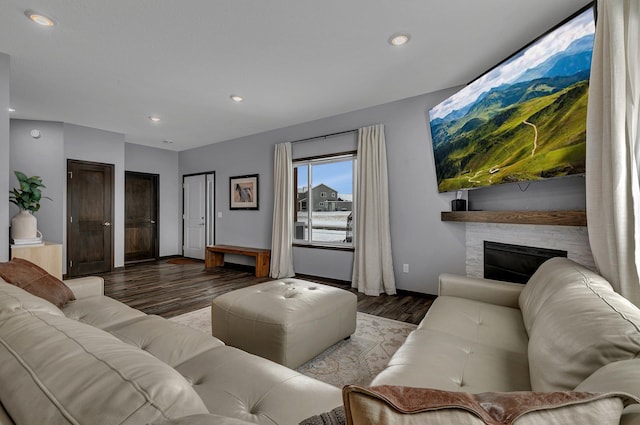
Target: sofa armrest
x,y
84,287
485,290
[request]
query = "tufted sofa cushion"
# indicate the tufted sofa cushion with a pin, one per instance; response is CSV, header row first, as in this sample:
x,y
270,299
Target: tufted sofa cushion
x,y
237,384
434,359
584,326
101,312
463,345
75,373
488,324
168,341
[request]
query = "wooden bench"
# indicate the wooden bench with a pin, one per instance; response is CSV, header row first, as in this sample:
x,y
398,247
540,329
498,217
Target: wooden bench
x,y
214,257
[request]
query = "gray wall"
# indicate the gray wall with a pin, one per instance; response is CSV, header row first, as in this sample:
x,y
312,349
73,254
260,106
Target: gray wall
x,y
41,157
47,157
244,156
419,238
4,155
567,193
146,159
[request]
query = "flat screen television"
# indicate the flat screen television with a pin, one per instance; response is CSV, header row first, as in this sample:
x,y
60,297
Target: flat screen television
x,y
524,119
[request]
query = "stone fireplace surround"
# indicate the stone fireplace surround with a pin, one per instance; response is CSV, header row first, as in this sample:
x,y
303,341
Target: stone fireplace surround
x,y
573,239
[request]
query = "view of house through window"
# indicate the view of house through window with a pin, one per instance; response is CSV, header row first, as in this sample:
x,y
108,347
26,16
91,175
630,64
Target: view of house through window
x,y
324,200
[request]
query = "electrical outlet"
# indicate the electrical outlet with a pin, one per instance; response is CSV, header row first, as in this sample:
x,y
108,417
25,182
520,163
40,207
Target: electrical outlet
x,y
219,214
405,268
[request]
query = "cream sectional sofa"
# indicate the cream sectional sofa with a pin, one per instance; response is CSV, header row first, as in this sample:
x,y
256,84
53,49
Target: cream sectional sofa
x,y
97,361
565,330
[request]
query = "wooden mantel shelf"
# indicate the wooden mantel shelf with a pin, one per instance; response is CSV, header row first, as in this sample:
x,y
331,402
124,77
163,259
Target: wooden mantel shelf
x,y
553,218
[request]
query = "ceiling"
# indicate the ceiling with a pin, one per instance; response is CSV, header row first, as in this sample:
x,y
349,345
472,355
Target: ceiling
x,y
112,64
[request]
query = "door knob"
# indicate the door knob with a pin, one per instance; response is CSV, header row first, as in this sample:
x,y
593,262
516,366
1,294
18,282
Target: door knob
x,y
107,224
152,221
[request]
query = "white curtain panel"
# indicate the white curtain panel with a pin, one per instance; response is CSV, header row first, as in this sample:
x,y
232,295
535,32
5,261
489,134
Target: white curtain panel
x,y
373,263
282,231
613,146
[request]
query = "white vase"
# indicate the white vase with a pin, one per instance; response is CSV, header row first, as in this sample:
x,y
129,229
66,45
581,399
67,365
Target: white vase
x,y
24,226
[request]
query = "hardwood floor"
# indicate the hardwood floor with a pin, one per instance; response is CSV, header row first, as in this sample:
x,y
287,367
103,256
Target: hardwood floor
x,y
169,290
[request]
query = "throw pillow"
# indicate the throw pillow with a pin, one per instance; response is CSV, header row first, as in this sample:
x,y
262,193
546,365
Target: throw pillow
x,y
405,405
28,276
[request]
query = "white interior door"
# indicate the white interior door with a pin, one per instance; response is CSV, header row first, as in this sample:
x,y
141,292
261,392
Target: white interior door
x,y
211,195
194,216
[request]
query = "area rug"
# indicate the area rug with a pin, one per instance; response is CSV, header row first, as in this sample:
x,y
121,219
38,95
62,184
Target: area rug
x,y
354,361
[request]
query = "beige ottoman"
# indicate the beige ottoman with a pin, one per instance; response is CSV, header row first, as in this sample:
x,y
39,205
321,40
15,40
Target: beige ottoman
x,y
288,321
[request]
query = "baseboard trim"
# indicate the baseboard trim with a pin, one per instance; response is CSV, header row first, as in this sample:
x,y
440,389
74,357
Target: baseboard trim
x,y
348,285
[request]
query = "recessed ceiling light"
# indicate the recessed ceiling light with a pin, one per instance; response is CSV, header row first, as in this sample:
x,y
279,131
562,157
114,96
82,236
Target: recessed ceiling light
x,y
399,39
11,110
39,18
154,118
236,98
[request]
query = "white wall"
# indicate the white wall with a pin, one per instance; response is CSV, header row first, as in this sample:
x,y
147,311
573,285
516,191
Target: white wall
x,y
4,155
41,157
151,160
419,238
90,144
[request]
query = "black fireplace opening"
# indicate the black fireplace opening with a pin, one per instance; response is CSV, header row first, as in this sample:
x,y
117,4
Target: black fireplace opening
x,y
515,263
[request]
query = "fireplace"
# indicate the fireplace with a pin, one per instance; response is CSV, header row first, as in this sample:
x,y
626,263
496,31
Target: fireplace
x,y
515,263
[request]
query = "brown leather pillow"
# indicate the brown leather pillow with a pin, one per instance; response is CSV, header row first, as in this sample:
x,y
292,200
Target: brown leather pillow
x,y
35,280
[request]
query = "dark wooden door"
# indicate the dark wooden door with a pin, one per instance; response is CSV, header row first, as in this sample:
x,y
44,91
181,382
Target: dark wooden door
x,y
90,217
141,216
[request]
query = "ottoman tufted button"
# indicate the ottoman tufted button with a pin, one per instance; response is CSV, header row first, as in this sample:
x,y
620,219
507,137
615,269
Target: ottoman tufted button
x,y
291,293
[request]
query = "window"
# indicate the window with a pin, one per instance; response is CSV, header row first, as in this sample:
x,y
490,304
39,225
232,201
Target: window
x,y
320,220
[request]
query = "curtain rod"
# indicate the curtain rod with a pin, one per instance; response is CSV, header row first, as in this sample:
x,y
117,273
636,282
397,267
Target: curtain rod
x,y
325,136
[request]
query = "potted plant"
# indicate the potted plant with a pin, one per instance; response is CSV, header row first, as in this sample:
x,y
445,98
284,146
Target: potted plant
x,y
24,225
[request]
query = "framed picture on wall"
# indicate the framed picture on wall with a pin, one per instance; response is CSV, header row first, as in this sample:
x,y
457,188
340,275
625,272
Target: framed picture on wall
x,y
243,192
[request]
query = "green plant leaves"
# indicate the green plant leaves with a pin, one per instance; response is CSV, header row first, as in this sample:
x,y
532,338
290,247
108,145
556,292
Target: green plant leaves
x,y
21,176
28,196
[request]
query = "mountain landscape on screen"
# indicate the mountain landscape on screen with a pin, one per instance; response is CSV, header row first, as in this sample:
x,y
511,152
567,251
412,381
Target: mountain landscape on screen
x,y
523,120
